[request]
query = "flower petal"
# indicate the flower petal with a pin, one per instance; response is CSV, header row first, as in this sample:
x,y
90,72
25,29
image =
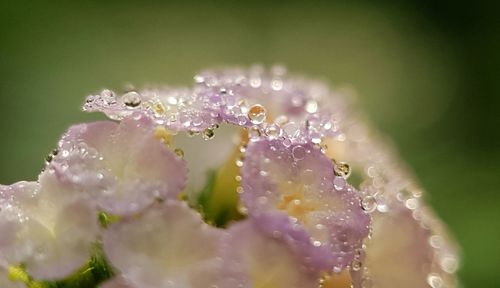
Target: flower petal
x,y
298,180
251,258
123,166
402,250
50,234
167,246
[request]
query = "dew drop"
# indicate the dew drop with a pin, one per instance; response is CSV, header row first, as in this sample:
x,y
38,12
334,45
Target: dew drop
x,y
298,152
311,106
291,129
131,99
273,131
287,142
179,152
356,265
341,169
208,134
51,156
369,204
239,163
339,183
449,264
254,133
197,121
281,120
257,114
434,280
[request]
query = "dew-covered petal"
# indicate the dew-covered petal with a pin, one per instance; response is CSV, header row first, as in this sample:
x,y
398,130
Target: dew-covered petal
x,y
123,166
251,258
69,247
242,97
47,232
177,109
298,180
399,253
166,246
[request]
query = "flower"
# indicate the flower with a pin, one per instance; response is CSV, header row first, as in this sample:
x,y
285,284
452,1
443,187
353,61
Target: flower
x,y
299,181
242,180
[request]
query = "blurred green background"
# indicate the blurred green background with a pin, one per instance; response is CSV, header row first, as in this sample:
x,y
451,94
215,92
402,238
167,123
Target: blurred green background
x,y
428,74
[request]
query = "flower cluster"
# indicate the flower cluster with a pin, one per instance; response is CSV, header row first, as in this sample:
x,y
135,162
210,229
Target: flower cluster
x,y
238,181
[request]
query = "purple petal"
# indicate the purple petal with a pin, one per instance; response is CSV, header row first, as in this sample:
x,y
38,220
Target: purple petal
x,y
122,165
298,181
230,96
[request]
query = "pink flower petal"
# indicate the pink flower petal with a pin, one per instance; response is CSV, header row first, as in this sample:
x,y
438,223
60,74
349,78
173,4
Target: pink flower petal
x,y
166,246
123,166
298,180
49,233
402,251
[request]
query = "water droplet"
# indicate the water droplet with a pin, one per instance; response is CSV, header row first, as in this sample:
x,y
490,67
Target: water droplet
x,y
257,114
131,99
199,79
277,84
239,163
197,121
341,169
315,138
273,131
254,133
291,129
311,106
179,152
382,205
287,142
298,152
356,265
434,280
159,109
369,204
449,264
436,241
339,183
208,134
51,156
411,203
281,120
